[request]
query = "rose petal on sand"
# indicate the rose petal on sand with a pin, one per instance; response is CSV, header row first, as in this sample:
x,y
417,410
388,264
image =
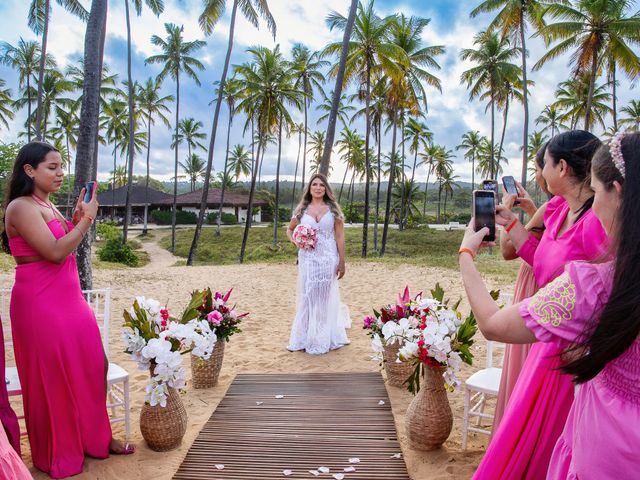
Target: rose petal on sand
x,y
350,469
396,455
286,473
315,473
220,466
279,396
324,469
354,460
338,476
259,403
381,402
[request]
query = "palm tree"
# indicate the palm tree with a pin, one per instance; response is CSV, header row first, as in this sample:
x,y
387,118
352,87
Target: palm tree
x,y
306,69
268,95
151,105
443,169
598,32
447,186
493,66
349,145
512,21
239,162
344,109
429,160
119,176
486,161
67,128
194,168
230,94
551,118
6,113
633,119
419,137
471,142
403,192
536,141
573,99
38,20
89,128
367,49
25,58
114,117
299,129
212,11
316,146
189,132
176,57
509,90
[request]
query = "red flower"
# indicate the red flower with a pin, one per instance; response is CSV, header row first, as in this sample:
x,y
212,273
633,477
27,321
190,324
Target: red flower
x,y
164,313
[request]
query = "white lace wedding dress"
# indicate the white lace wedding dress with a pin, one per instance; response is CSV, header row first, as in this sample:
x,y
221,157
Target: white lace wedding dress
x,y
321,318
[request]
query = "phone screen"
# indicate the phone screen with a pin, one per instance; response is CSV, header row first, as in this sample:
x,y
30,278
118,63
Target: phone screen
x,y
510,185
88,192
484,211
490,185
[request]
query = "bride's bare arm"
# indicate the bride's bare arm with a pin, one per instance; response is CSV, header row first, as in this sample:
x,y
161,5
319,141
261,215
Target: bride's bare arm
x,y
292,225
339,234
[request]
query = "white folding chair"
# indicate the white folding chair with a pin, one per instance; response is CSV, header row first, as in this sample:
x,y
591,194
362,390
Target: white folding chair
x,y
478,387
117,377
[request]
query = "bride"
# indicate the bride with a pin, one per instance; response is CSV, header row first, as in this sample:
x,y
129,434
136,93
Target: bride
x,y
321,319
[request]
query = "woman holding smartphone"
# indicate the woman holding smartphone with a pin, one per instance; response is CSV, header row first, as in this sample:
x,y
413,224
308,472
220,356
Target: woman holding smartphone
x,y
522,444
57,343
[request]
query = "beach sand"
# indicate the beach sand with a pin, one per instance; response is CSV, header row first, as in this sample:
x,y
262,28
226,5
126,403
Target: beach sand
x,y
268,293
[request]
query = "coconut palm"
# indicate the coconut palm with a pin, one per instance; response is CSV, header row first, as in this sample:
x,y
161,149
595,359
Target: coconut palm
x,y
507,92
633,118
299,129
176,57
6,102
573,99
66,129
306,70
471,142
119,176
151,105
443,168
536,141
212,11
38,20
189,133
75,74
194,169
348,146
429,161
492,67
114,121
239,162
25,58
403,193
486,161
447,186
598,31
316,146
551,118
419,137
344,109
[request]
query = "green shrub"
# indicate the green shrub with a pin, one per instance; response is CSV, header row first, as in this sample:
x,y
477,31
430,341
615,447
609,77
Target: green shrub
x,y
212,218
163,217
352,213
115,251
108,231
229,219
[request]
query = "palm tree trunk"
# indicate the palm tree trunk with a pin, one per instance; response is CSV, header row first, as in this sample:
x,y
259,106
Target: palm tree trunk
x,y
387,212
614,99
375,224
367,166
174,208
493,158
276,209
146,183
337,92
295,175
439,198
113,187
592,84
86,149
413,174
68,209
473,172
43,56
304,150
525,104
224,174
29,120
131,146
402,182
504,130
426,189
212,140
247,226
344,178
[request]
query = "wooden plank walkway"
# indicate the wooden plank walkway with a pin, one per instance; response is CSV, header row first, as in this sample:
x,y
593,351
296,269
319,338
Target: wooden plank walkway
x,y
321,420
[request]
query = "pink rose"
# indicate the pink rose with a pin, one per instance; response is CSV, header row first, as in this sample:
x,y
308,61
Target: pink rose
x,y
215,317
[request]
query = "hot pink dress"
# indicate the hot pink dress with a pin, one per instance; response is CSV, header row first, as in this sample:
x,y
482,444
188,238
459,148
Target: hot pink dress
x,y
60,362
602,432
537,411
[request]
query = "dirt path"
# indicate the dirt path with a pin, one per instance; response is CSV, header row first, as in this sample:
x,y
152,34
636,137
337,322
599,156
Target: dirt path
x,y
159,258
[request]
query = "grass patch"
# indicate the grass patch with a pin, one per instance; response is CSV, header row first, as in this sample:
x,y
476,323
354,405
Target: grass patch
x,y
423,246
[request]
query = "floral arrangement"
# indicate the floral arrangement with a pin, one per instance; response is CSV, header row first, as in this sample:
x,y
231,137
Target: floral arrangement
x,y
305,237
216,315
156,341
431,334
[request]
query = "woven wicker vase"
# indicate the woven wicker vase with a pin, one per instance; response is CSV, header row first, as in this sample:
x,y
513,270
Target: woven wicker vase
x,y
397,373
429,420
163,427
204,373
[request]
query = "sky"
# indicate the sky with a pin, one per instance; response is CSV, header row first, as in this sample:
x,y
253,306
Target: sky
x,y
451,112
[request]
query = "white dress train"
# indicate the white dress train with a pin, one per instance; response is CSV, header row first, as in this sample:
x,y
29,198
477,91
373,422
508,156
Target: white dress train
x,y
321,318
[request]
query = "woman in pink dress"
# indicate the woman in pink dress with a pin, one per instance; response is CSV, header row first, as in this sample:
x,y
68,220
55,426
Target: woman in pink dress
x,y
11,467
525,286
590,312
57,342
540,401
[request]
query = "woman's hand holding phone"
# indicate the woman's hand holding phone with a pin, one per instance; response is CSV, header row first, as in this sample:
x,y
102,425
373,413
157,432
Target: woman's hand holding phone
x,y
504,215
474,240
83,208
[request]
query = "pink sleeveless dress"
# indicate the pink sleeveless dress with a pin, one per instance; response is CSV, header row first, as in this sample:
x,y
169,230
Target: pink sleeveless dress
x,y
521,446
601,436
60,362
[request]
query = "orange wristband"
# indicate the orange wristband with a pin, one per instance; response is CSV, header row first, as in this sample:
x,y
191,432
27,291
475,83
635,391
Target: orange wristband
x,y
91,219
511,225
467,250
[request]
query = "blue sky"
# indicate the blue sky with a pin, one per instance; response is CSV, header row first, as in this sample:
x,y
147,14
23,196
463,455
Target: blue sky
x,y
450,115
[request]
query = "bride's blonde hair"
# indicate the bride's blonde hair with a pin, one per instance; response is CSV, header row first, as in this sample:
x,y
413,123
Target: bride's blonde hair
x,y
329,198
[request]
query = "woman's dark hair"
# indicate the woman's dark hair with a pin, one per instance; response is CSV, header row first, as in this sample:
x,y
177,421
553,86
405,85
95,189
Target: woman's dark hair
x,y
619,323
540,155
576,147
21,184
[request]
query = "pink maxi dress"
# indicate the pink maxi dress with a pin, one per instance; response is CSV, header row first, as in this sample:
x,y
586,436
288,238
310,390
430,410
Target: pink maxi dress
x,y
521,447
60,362
601,436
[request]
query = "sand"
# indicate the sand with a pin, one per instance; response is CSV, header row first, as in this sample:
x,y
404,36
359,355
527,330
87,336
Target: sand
x,y
268,292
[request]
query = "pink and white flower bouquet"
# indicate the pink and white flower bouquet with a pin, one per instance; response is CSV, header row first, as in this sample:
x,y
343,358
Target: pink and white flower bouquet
x,y
305,237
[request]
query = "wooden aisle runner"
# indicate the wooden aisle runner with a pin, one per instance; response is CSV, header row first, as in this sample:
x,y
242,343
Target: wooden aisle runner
x,y
322,420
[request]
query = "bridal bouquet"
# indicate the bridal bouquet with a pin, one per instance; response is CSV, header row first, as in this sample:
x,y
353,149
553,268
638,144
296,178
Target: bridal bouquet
x,y
305,237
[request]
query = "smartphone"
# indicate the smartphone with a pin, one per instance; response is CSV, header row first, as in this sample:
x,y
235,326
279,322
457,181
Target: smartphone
x,y
484,212
510,184
490,185
88,191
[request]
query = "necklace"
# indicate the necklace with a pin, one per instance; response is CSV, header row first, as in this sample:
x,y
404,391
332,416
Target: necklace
x,y
41,202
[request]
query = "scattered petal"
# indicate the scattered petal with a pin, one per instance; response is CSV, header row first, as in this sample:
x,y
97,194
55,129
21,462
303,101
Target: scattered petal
x,y
286,473
350,469
315,473
396,455
338,476
259,403
323,469
354,460
381,402
220,466
279,396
